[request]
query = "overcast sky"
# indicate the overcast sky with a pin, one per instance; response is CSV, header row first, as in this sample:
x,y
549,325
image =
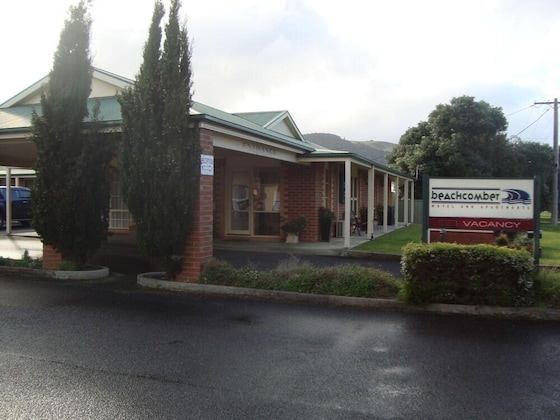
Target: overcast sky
x,y
361,69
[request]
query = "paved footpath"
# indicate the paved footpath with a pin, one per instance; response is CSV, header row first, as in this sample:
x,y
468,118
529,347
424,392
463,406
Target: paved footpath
x,y
124,257
15,245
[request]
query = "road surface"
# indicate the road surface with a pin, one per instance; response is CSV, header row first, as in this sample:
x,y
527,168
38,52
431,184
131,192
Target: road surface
x,y
110,350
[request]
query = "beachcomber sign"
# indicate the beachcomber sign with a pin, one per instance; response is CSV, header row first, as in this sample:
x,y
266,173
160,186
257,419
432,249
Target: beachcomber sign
x,y
475,204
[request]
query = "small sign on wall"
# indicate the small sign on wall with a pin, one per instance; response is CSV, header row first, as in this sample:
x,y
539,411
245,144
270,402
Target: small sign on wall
x,y
207,165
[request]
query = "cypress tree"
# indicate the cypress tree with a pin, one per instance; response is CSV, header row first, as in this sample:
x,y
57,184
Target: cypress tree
x,y
160,154
71,191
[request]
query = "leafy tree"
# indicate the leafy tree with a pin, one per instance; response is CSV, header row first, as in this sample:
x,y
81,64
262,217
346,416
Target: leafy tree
x,y
531,159
71,192
464,138
160,154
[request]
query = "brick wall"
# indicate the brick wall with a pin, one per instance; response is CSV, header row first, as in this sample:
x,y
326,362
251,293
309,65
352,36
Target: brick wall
x,y
51,258
198,247
465,238
379,188
363,191
303,195
337,177
332,176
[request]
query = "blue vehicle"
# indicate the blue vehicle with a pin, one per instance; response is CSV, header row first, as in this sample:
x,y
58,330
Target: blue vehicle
x,y
21,205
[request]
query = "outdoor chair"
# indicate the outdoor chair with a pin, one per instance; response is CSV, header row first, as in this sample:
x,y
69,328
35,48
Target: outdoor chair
x,y
355,224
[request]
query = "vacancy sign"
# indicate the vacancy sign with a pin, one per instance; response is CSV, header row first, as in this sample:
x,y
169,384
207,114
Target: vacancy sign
x,y
481,204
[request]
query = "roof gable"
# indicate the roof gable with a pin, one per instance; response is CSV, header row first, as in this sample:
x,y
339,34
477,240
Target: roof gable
x,y
240,122
278,121
103,84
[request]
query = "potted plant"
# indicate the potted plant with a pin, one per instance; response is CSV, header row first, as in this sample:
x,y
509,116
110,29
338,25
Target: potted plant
x,y
293,227
326,217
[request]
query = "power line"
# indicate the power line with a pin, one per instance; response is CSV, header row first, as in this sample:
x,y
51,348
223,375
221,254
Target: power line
x,y
523,109
542,115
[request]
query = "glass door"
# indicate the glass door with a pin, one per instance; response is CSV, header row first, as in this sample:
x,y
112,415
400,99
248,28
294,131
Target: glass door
x,y
240,203
266,202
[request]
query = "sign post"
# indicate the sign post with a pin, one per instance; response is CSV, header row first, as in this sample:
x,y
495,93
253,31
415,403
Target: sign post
x,y
537,222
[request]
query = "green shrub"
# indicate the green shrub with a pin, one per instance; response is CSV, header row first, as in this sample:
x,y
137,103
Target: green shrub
x,y
358,281
217,272
548,286
302,279
467,274
501,240
291,263
248,276
66,265
292,275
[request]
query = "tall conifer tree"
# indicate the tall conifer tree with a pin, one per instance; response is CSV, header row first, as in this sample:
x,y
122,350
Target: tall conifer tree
x,y
160,153
71,192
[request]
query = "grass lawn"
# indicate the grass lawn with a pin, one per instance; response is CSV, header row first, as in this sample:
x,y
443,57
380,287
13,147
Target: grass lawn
x,y
550,244
392,242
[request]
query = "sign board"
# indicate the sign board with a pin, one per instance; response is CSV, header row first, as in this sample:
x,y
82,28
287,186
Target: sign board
x,y
207,165
481,204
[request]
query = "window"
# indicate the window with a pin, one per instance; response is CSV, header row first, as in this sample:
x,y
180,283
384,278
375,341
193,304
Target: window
x,y
119,216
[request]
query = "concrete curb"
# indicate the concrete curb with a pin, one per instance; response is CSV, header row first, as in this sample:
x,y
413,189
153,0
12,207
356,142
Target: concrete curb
x,y
374,256
96,272
541,314
144,280
290,297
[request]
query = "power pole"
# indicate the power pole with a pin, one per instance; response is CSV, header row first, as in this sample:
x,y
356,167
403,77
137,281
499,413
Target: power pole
x,y
554,219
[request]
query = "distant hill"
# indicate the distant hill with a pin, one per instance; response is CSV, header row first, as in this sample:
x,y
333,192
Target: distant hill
x,y
372,150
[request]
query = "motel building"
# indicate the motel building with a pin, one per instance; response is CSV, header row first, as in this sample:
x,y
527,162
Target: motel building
x,y
256,167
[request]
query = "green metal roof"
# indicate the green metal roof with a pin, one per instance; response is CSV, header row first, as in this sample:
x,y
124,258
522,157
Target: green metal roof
x,y
244,124
18,118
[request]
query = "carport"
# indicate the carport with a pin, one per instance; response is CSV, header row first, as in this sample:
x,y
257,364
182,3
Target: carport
x,y
15,153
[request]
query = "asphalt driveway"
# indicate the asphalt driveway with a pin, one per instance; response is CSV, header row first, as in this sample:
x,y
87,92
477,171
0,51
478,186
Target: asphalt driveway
x,y
111,350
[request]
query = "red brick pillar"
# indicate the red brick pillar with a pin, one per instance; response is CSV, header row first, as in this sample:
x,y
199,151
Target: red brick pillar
x,y
198,248
51,258
303,195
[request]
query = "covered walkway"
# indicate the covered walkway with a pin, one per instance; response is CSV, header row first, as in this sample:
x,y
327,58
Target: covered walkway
x,y
22,239
334,247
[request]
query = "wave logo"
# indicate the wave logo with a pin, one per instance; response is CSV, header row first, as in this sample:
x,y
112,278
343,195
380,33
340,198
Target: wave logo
x,y
516,197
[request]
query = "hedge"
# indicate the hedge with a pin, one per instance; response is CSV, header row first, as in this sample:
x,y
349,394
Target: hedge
x,y
293,275
467,274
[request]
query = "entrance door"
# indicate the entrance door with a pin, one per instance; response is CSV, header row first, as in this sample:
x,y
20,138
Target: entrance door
x,y
240,202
